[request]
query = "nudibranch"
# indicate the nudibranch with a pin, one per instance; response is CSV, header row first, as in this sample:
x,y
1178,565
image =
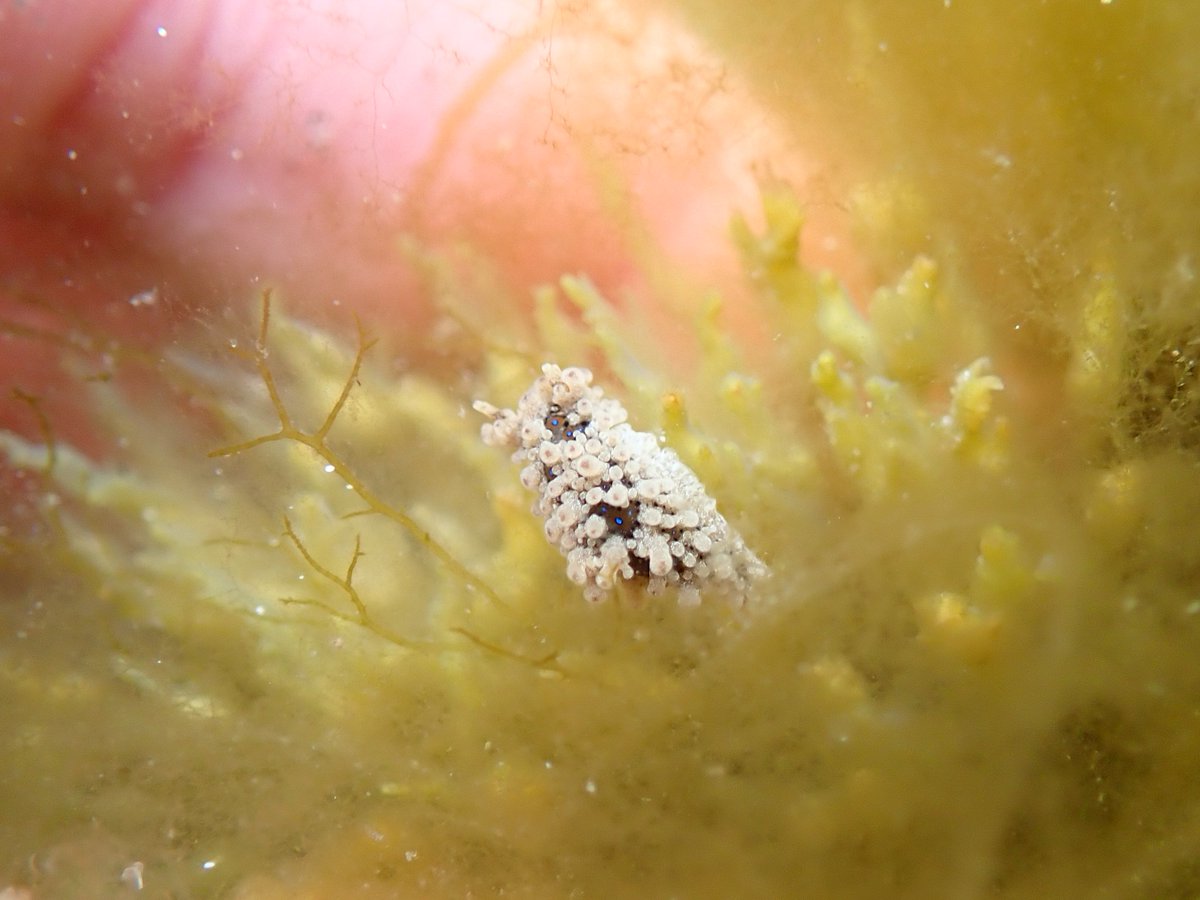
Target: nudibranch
x,y
616,503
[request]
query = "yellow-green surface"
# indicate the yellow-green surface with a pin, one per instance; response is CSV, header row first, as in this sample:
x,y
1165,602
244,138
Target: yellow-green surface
x,y
344,662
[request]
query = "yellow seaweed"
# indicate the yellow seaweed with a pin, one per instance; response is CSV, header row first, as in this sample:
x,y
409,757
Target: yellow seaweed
x,y
334,648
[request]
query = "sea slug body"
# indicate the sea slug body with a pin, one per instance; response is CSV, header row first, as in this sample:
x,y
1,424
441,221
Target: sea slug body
x,y
617,504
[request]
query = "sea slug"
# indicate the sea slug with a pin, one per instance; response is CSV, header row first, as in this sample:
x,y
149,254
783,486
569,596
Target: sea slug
x,y
616,503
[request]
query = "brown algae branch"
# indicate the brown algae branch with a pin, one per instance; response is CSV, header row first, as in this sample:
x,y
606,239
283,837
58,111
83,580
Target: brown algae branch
x,y
345,583
316,441
43,423
547,663
363,619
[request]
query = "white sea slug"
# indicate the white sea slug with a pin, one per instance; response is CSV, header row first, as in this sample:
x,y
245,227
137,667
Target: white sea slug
x,y
616,503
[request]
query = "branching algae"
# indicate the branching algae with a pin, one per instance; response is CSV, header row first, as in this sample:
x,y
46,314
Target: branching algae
x,y
336,653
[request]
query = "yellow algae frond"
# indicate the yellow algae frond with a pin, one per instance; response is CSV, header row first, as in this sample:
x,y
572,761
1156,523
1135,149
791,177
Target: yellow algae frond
x,y
311,637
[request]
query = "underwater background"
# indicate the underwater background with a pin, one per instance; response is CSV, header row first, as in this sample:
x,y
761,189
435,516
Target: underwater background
x,y
274,622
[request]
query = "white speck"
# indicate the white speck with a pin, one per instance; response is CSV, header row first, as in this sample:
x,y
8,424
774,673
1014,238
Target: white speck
x,y
132,875
160,31
236,154
549,765
300,577
208,864
1192,608
147,297
329,467
999,159
410,855
589,786
260,610
72,155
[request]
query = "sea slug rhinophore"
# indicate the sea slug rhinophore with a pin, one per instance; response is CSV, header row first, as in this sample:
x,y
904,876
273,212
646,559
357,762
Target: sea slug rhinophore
x,y
616,503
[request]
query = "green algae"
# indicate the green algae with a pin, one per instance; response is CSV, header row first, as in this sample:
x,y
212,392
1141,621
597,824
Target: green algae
x,y
331,646
972,672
